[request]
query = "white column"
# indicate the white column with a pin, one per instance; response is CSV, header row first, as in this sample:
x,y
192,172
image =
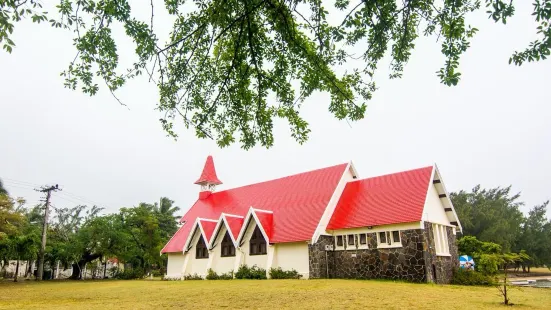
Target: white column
x,y
271,251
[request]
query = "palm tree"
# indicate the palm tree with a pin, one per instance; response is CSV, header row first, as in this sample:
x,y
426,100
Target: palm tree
x,y
168,222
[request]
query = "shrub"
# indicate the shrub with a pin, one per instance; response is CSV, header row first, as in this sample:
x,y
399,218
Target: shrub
x,y
212,275
278,273
254,272
130,274
464,277
193,277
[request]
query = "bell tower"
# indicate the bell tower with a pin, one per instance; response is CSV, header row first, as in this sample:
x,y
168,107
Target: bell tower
x,y
208,179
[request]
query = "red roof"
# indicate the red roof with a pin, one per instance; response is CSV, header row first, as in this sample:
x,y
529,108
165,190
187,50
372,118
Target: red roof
x,y
388,199
209,173
266,220
297,201
234,224
208,228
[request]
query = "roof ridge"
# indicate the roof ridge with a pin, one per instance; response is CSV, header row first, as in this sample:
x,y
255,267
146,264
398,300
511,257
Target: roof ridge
x,y
389,174
287,176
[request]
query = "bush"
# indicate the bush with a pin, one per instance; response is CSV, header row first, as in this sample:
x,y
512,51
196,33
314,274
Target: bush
x,y
130,274
278,273
212,275
193,277
464,277
157,273
254,272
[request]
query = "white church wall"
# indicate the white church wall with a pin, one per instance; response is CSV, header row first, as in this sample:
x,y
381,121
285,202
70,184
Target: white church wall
x,y
292,255
195,265
251,260
434,209
175,265
221,264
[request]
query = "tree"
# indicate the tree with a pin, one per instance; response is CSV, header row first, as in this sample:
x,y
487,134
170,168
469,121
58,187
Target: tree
x,y
224,59
491,215
10,218
168,222
3,191
535,236
142,227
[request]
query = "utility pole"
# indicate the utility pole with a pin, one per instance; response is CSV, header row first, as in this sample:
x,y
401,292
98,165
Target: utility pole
x,y
48,190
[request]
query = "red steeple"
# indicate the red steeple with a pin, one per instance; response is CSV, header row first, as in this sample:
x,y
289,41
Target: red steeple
x,y
209,173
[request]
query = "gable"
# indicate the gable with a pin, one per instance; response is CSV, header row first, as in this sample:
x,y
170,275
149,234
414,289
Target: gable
x,y
434,209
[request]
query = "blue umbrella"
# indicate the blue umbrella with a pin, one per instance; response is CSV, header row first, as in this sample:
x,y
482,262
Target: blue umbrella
x,y
466,262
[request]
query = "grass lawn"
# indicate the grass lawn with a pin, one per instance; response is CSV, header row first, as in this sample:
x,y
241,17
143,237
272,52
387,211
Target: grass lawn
x,y
143,294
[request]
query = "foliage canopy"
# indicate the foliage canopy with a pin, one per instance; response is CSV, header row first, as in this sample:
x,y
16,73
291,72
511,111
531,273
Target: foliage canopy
x,y
230,68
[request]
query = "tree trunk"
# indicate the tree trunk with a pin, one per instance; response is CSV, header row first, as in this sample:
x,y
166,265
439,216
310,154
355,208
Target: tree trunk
x,y
16,271
28,272
104,269
78,267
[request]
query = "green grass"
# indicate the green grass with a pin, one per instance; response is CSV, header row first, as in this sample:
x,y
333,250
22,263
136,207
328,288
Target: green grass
x,y
142,294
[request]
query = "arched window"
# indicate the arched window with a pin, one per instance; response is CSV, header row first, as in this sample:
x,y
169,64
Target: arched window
x,y
228,249
257,245
201,250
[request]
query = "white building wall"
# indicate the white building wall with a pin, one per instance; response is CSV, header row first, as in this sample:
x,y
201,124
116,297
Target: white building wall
x,y
434,209
293,255
251,260
221,264
175,266
194,265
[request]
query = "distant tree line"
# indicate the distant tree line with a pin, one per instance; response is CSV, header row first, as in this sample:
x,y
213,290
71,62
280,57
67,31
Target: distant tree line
x,y
493,226
81,235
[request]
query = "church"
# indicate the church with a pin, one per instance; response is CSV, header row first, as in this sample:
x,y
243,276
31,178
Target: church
x,y
324,223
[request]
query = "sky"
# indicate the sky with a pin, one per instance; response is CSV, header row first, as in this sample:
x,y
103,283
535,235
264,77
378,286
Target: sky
x,y
492,129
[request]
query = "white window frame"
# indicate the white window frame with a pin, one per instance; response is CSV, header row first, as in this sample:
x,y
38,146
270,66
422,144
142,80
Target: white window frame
x,y
440,236
363,246
350,246
390,242
343,247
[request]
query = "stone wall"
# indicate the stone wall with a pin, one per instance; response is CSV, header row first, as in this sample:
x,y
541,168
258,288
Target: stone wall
x,y
440,268
403,263
320,259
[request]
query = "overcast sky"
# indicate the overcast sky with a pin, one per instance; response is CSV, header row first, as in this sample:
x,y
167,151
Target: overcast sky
x,y
492,129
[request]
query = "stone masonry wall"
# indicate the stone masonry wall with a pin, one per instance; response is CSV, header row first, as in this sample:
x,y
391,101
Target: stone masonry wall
x,y
319,258
403,263
441,267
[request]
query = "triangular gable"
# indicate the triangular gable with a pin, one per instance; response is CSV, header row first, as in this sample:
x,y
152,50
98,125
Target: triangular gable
x,y
437,181
206,228
266,220
264,224
232,223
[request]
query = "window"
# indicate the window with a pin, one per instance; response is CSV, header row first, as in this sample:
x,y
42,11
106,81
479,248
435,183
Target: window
x,y
201,250
340,241
351,241
395,236
441,245
382,237
389,239
363,239
228,249
257,245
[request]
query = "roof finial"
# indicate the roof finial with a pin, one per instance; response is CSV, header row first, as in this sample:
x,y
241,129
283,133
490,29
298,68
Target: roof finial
x,y
208,176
